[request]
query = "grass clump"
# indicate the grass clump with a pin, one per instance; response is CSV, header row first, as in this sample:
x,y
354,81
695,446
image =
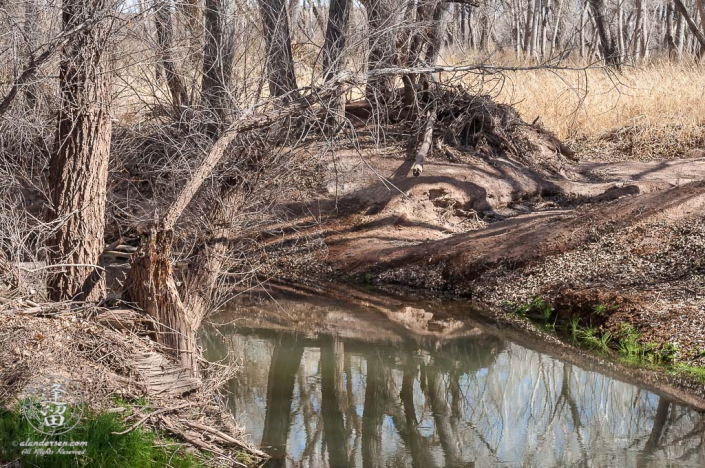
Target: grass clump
x,y
95,445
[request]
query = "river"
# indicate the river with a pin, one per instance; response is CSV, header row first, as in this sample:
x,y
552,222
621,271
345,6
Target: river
x,y
327,383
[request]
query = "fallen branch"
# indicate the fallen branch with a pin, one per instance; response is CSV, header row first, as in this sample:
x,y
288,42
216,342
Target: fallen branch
x,y
417,168
153,413
225,437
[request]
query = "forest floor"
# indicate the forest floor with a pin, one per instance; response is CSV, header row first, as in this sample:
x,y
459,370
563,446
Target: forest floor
x,y
618,244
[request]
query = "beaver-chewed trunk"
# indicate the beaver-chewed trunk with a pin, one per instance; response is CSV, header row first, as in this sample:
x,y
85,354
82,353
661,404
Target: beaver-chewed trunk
x,y
151,286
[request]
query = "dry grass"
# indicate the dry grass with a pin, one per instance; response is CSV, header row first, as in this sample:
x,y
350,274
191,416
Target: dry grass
x,y
641,113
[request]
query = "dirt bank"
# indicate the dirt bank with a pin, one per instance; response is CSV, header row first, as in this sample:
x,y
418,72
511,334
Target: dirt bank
x,y
626,237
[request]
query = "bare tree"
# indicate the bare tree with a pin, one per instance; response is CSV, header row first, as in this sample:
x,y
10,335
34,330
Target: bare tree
x,y
165,32
217,65
79,164
607,45
280,60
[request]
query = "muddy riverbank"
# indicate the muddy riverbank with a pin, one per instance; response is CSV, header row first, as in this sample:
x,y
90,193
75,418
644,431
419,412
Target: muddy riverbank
x,y
614,244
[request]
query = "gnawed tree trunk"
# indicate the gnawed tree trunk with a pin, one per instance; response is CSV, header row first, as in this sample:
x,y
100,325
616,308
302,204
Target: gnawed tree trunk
x,y
280,60
217,65
151,284
165,33
79,164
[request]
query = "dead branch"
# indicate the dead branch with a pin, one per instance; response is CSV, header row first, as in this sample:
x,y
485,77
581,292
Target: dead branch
x,y
431,116
153,413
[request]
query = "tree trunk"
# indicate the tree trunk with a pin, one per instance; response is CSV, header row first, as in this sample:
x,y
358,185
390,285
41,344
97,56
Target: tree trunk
x,y
382,15
150,283
286,360
701,11
680,35
338,17
556,26
165,32
79,164
280,60
190,11
528,27
217,66
607,46
691,24
583,9
637,37
30,31
668,38
294,13
332,397
536,13
620,28
424,16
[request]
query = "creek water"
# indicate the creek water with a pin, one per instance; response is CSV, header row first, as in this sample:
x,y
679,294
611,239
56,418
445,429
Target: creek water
x,y
325,383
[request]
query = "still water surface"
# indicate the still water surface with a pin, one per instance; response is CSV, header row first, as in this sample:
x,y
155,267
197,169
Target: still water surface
x,y
328,384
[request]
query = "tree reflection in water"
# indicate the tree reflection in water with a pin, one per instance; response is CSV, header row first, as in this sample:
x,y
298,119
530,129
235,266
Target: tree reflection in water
x,y
474,401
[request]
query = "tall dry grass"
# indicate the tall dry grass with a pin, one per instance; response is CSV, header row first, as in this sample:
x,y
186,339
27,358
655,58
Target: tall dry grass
x,y
657,111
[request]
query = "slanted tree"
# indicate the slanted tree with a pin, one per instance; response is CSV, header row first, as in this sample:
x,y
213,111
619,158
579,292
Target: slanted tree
x,y
607,44
79,163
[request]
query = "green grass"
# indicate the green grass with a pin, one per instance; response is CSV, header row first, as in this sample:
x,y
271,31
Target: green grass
x,y
627,341
137,448
694,372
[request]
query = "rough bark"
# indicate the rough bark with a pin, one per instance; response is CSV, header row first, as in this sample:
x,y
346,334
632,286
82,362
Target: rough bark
x,y
528,26
217,65
338,17
165,32
79,163
280,60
